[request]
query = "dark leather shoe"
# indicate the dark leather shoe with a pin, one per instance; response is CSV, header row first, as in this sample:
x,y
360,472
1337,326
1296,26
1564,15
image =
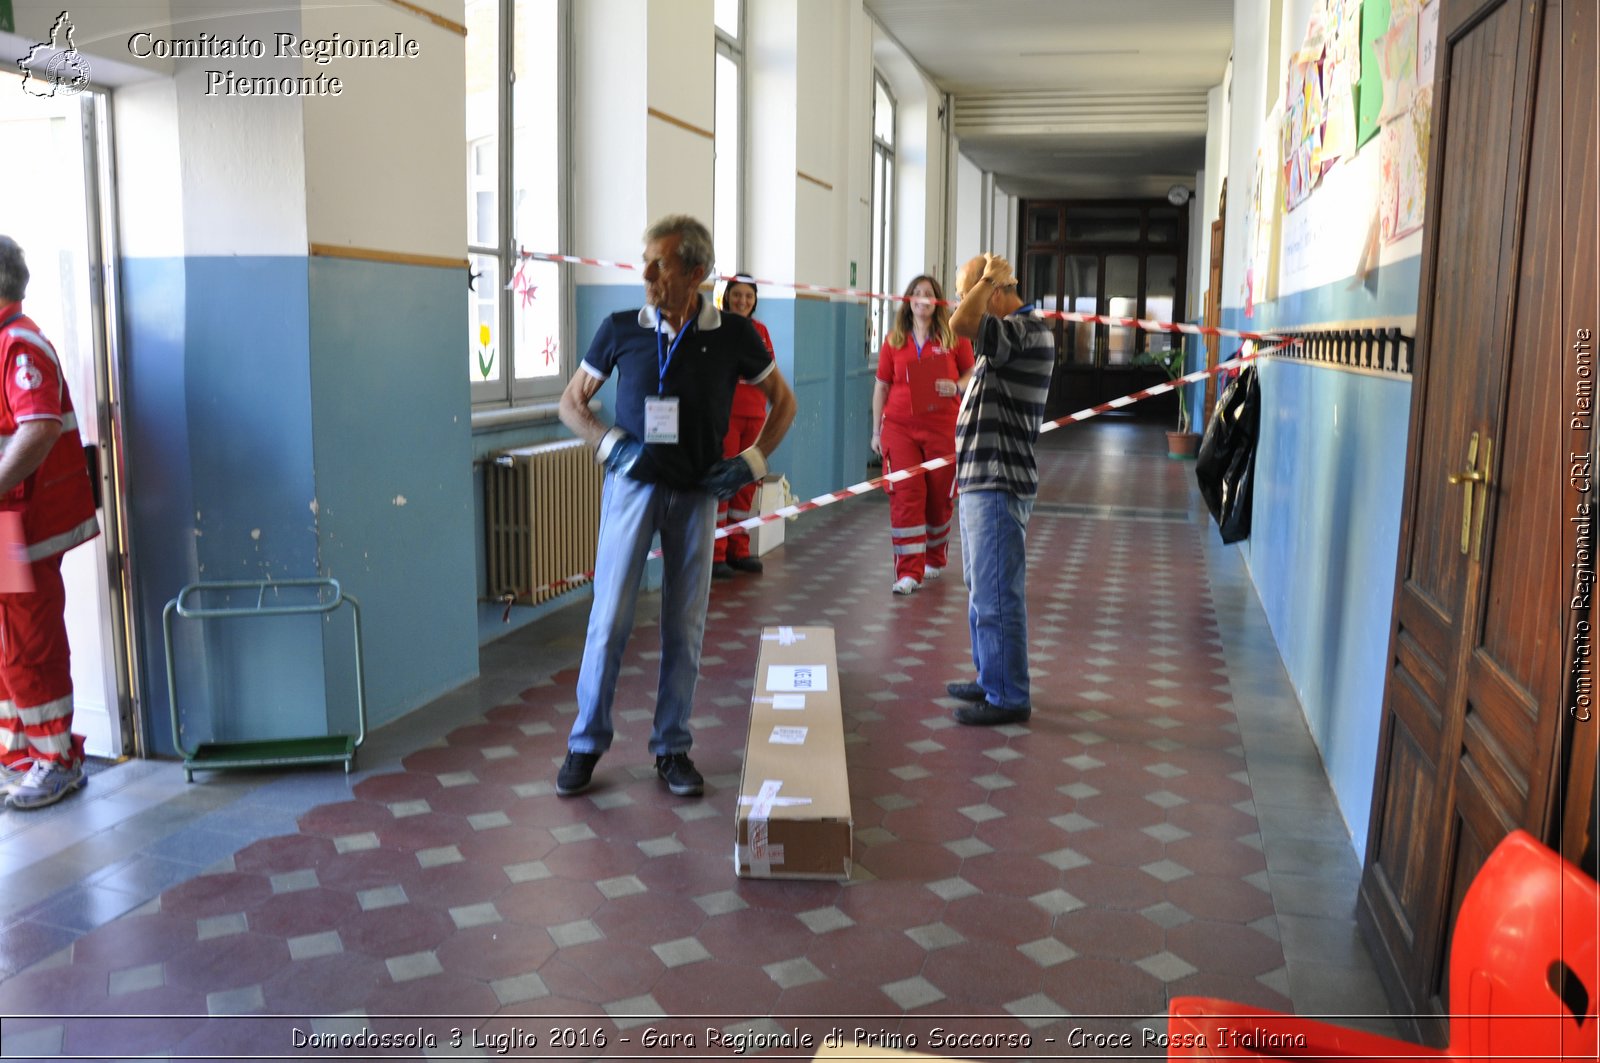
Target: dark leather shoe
x,y
576,772
721,570
746,564
986,715
965,691
678,772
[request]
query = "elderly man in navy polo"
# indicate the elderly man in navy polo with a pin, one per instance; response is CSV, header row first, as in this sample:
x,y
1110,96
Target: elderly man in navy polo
x,y
677,362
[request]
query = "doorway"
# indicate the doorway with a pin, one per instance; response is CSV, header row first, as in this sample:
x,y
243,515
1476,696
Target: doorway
x,y
59,210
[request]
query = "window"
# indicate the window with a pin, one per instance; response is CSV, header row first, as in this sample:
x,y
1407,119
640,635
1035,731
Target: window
x,y
727,182
882,279
516,319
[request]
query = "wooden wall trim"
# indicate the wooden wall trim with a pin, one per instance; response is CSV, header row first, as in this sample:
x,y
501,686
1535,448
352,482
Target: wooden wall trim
x,y
422,12
369,254
681,124
814,180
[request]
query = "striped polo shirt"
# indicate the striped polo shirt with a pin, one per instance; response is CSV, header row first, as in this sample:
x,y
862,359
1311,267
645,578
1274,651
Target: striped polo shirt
x,y
1001,411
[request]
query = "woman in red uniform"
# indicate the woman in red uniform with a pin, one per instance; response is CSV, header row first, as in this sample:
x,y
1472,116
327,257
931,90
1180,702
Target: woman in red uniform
x,y
922,371
744,424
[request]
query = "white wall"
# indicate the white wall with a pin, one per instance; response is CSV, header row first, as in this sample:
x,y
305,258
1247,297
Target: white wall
x,y
609,138
681,79
969,221
354,139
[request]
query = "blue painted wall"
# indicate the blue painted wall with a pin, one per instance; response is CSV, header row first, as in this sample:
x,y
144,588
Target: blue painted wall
x,y
1325,527
392,438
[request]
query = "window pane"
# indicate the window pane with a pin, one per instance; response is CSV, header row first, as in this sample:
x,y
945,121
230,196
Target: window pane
x,y
483,54
1165,225
726,15
875,270
1103,223
536,287
1160,292
1082,297
536,169
882,114
1041,289
1044,225
1122,300
725,178
483,320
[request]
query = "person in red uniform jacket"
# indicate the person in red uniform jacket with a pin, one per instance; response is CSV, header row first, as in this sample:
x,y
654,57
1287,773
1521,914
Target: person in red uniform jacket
x,y
744,424
922,371
43,479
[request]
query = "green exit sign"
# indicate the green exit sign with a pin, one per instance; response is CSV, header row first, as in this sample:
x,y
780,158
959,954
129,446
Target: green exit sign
x,y
7,23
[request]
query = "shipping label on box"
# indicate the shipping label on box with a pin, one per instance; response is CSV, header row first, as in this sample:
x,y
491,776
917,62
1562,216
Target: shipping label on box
x,y
794,819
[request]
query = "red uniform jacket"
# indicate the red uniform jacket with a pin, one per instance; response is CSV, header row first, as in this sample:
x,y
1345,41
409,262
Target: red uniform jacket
x,y
57,500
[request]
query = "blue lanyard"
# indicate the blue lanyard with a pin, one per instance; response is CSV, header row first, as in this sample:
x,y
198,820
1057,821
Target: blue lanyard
x,y
664,358
918,346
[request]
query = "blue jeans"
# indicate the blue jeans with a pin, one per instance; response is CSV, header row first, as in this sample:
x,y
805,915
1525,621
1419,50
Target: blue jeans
x,y
994,526
631,514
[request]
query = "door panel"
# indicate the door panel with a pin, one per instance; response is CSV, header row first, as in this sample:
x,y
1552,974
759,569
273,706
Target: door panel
x,y
1470,738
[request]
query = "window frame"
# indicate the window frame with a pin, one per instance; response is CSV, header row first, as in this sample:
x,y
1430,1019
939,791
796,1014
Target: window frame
x,y
508,391
881,252
732,47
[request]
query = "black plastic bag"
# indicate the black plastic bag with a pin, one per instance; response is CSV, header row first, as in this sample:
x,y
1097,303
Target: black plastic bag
x,y
1227,460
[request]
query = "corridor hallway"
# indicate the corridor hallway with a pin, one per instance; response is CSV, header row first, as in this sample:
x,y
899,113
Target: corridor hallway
x,y
1160,827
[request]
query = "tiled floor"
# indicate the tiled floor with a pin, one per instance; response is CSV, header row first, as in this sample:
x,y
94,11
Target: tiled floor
x,y
1160,827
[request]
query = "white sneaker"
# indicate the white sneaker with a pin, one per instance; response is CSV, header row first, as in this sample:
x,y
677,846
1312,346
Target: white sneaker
x,y
46,784
905,585
11,775
933,572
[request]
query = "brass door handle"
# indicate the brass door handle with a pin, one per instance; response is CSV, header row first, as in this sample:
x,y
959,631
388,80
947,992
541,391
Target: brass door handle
x,y
1472,530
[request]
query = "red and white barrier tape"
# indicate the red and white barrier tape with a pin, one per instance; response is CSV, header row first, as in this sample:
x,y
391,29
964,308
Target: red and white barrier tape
x,y
1165,327
868,486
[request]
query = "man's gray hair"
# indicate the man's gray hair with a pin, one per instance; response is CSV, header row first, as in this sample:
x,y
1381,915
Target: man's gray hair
x,y
13,271
694,249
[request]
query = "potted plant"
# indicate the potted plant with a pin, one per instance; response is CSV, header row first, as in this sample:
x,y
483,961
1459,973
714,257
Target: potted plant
x,y
1181,443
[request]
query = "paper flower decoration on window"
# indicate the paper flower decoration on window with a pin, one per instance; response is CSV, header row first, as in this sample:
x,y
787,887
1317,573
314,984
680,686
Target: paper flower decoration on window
x,y
549,351
485,352
526,290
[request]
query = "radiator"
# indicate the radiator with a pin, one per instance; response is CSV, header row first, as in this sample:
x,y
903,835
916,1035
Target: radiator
x,y
541,518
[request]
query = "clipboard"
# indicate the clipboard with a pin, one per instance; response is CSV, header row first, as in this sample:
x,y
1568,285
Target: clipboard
x,y
921,374
16,575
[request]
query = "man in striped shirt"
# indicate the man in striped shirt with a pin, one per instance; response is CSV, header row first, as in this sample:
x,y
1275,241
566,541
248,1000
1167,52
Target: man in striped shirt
x,y
998,478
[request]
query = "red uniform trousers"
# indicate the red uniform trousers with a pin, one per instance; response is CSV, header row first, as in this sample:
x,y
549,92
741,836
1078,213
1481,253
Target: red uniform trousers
x,y
36,671
742,432
920,507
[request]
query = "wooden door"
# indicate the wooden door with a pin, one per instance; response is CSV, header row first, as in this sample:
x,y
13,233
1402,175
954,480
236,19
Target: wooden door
x,y
1472,735
1213,304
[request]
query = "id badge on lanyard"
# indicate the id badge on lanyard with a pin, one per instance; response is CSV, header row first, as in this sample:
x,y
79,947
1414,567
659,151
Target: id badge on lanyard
x,y
661,421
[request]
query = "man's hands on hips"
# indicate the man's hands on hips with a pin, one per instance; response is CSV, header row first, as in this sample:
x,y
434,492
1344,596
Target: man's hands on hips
x,y
730,474
618,450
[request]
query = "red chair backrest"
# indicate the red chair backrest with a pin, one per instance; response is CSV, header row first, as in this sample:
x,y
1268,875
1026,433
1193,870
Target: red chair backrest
x,y
1524,961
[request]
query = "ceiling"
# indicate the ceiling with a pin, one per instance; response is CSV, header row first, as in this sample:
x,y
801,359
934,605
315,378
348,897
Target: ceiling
x,y
1073,98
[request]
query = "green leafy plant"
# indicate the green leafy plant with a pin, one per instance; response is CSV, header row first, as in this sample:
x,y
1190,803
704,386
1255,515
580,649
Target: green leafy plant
x,y
1171,363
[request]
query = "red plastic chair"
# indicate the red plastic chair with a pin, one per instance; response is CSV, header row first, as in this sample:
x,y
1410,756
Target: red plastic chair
x,y
1524,980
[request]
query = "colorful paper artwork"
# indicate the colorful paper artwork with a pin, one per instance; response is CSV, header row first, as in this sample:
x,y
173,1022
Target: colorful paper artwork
x,y
1302,128
1397,64
1427,41
1403,169
1369,98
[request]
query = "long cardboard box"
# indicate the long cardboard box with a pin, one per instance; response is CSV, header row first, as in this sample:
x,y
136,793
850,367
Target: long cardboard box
x,y
794,800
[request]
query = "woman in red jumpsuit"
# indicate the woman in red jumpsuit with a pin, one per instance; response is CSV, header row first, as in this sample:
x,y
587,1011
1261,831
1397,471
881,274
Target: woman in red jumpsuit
x,y
922,371
744,424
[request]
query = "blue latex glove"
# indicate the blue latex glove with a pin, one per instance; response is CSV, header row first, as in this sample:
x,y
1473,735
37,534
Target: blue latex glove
x,y
730,474
618,451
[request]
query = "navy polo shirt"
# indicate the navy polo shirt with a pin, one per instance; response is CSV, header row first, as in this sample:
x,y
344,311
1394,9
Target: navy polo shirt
x,y
718,352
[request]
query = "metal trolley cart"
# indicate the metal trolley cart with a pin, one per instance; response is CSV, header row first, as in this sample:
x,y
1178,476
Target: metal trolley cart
x,y
274,752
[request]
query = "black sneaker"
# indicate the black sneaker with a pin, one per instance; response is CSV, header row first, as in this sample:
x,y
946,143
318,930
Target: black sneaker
x,y
721,570
989,715
677,771
746,564
966,691
576,771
